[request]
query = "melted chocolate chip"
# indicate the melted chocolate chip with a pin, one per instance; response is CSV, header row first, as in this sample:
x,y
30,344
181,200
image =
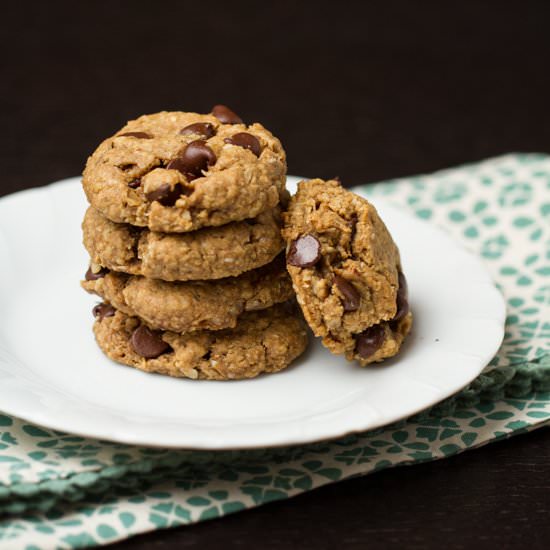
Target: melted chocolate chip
x,y
165,194
101,311
246,141
139,135
91,276
369,341
402,301
135,183
305,251
148,343
204,129
225,115
192,160
351,299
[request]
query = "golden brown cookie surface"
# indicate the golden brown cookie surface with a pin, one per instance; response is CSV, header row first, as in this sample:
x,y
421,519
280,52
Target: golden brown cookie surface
x,y
209,253
262,342
177,172
194,305
346,272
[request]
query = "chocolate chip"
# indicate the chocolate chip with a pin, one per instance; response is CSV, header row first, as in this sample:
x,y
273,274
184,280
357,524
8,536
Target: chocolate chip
x,y
192,160
139,135
135,183
101,311
305,251
204,129
402,301
127,166
91,276
148,343
351,299
165,194
369,341
246,141
225,115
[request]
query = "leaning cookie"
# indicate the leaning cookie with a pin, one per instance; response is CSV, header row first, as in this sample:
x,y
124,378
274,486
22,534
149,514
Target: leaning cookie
x,y
177,172
262,342
209,253
193,305
346,272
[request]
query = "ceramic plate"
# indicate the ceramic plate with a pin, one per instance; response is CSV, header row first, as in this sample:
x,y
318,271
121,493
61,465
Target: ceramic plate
x,y
53,374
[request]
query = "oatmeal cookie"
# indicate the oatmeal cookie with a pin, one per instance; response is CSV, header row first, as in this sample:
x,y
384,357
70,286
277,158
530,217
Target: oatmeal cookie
x,y
262,342
346,272
210,253
193,305
177,172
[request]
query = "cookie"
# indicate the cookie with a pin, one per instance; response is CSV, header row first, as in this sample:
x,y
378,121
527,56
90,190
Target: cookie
x,y
177,172
210,253
346,272
194,305
262,342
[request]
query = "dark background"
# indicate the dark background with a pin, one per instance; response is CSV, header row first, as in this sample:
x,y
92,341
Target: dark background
x,y
364,90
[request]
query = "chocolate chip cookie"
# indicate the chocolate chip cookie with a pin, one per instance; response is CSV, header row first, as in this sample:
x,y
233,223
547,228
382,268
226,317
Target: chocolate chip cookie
x,y
194,305
262,342
177,172
346,272
209,253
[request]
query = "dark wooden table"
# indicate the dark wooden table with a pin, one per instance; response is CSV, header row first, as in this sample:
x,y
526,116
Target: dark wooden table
x,y
363,90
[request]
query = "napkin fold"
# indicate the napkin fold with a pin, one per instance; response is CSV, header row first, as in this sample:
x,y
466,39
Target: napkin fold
x,y
67,491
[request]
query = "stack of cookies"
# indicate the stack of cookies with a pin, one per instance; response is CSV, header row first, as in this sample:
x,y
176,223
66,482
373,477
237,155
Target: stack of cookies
x,y
184,236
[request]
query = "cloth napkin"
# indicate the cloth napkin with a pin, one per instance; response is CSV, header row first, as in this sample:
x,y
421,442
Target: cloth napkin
x,y
63,491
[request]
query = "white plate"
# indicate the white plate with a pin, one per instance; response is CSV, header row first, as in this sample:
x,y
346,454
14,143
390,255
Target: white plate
x,y
52,373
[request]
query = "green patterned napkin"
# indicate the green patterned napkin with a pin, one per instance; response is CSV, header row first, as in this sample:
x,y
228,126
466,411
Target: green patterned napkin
x,y
67,491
